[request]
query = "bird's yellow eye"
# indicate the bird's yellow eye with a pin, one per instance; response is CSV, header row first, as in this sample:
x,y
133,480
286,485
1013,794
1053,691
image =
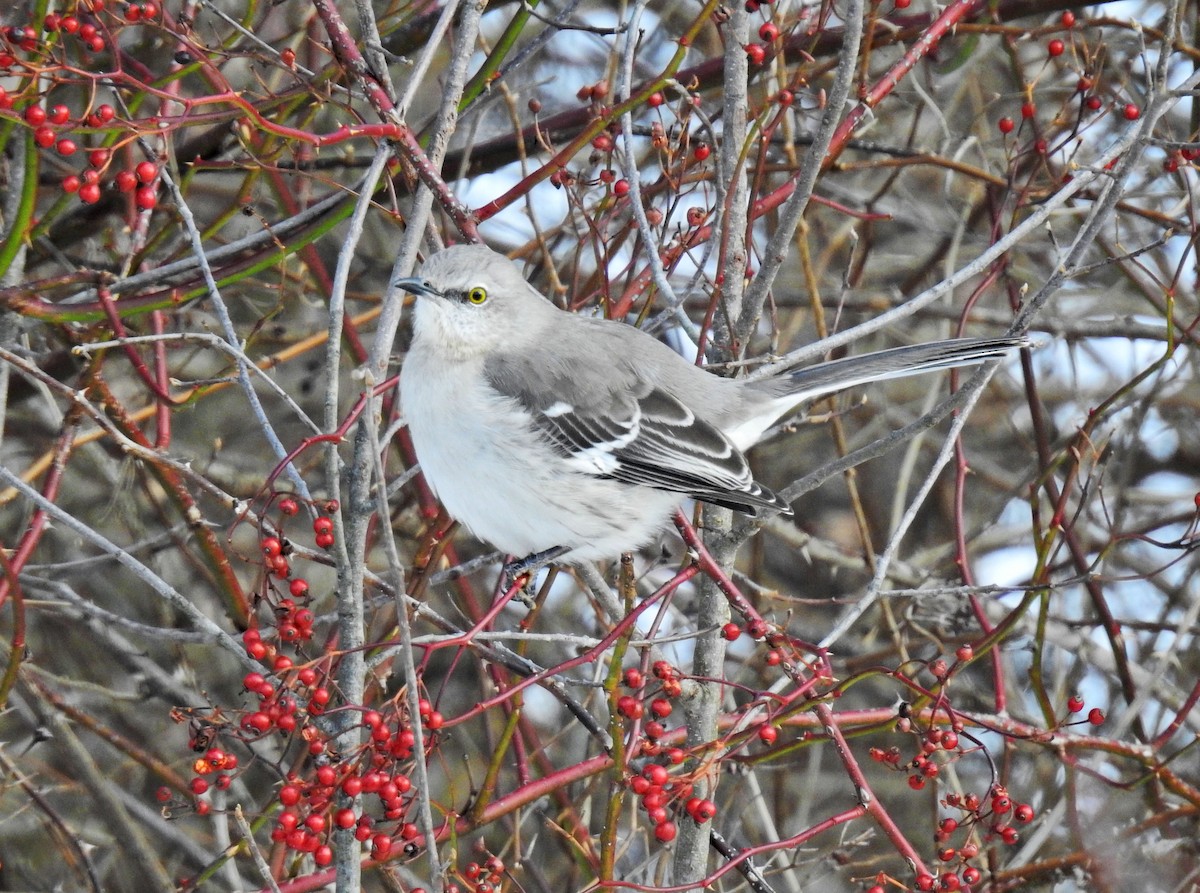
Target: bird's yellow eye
x,y
477,295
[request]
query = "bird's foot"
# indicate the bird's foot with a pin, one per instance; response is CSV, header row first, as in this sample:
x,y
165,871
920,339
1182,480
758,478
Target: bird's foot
x,y
529,565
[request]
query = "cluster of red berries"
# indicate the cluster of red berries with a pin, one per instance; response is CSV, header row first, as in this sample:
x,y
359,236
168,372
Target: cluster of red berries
x,y
278,709
52,124
960,872
379,771
632,707
485,878
215,762
654,785
923,765
1179,157
308,816
1095,716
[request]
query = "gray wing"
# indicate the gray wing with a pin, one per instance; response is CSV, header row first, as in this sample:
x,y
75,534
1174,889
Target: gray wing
x,y
613,424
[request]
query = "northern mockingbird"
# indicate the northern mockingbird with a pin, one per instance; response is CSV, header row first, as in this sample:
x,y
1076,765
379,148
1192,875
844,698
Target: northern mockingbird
x,y
553,435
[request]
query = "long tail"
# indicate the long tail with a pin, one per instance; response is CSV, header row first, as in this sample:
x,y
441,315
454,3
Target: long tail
x,y
897,362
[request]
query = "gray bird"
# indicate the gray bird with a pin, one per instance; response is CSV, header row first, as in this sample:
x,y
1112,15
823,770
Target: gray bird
x,y
553,435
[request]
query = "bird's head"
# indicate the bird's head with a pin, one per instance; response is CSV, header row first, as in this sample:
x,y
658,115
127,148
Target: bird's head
x,y
472,300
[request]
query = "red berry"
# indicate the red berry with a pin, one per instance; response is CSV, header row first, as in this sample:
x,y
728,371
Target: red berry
x,y
602,143
98,157
145,198
133,12
655,100
69,24
902,4
150,10
96,44
701,151
767,734
633,678
106,113
755,53
51,22
87,31
665,831
730,631
1068,19
35,115
126,181
288,57
289,795
1096,716
59,114
1074,704
66,147
89,193
629,707
146,171
1023,813
1132,112
1006,125
71,184
44,137
198,786
1056,47
768,33
1093,103
621,188
381,846
1028,110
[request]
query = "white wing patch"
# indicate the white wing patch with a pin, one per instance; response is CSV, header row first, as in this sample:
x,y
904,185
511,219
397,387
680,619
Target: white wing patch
x,y
603,458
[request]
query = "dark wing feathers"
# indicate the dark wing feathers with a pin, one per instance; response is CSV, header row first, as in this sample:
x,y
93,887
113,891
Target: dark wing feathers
x,y
635,433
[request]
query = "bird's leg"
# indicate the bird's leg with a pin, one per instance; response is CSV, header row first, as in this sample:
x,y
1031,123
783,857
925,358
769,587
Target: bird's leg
x,y
514,570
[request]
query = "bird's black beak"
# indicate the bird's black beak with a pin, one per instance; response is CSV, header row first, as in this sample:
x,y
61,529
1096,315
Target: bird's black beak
x,y
417,286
